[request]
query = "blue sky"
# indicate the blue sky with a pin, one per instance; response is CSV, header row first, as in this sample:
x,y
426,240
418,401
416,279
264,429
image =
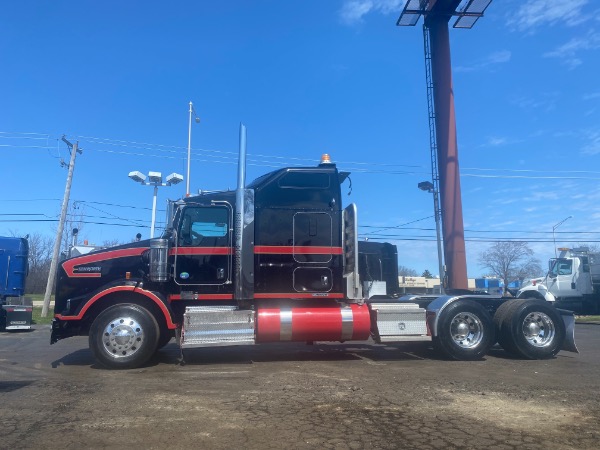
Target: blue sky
x,y
306,77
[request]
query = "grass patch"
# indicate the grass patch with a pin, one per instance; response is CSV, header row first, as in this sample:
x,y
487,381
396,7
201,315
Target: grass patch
x,y
37,318
584,319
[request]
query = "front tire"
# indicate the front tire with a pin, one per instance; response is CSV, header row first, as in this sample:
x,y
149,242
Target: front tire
x,y
165,337
465,331
531,329
124,336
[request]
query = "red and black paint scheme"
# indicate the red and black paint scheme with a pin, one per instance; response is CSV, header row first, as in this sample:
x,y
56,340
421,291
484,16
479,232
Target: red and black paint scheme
x,y
277,260
294,253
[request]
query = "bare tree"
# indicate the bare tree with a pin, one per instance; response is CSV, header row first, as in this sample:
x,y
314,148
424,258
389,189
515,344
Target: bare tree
x,y
40,256
510,261
404,271
111,243
593,248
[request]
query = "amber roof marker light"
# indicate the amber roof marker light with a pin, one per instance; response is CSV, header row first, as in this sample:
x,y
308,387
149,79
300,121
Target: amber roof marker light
x,y
325,158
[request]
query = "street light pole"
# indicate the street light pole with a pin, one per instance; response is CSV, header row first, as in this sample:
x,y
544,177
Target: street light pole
x,y
428,186
436,208
554,229
155,179
153,211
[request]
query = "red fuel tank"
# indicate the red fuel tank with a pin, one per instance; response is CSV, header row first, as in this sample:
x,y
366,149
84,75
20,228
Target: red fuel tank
x,y
313,323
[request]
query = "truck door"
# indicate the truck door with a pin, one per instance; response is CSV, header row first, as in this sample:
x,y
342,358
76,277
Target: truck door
x,y
203,245
312,252
582,276
561,277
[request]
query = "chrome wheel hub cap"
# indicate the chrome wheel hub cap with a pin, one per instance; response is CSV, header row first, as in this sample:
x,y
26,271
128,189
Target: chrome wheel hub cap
x,y
466,330
539,329
122,337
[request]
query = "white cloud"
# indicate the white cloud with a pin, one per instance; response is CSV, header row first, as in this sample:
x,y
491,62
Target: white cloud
x,y
495,141
353,11
537,196
493,59
592,146
498,141
535,13
591,96
568,53
545,102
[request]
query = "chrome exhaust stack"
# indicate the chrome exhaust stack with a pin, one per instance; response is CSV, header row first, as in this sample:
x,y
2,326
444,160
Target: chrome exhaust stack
x,y
243,264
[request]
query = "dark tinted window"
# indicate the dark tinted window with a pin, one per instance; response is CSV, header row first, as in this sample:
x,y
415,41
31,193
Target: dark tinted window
x,y
303,180
198,225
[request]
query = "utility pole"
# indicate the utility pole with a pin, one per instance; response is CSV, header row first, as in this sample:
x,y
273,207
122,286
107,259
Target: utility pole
x,y
63,215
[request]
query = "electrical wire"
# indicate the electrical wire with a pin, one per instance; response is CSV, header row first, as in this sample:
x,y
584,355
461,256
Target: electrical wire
x,y
275,161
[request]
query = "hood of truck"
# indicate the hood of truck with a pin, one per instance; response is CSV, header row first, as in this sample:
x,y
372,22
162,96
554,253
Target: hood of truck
x,y
532,282
83,274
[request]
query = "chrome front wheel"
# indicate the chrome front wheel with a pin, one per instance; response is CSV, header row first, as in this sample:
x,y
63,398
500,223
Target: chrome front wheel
x,y
124,336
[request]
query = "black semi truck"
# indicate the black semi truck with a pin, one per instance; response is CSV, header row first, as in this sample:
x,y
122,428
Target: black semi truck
x,y
277,260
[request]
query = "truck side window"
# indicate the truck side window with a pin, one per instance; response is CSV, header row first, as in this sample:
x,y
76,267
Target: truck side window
x,y
565,267
206,226
585,264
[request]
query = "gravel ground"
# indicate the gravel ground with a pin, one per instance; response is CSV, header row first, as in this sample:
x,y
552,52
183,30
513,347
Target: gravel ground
x,y
296,396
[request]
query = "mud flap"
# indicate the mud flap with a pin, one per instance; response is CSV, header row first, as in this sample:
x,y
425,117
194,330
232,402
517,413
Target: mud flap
x,y
569,320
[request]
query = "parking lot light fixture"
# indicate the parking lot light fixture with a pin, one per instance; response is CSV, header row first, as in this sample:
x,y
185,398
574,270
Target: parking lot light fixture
x,y
155,179
554,229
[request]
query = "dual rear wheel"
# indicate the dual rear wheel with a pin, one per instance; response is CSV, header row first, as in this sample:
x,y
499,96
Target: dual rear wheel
x,y
530,329
465,331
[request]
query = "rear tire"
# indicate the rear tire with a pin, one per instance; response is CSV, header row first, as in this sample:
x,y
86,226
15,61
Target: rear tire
x,y
124,336
502,313
465,331
531,329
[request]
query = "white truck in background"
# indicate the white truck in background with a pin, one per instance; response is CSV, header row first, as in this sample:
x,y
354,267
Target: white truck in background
x,y
572,282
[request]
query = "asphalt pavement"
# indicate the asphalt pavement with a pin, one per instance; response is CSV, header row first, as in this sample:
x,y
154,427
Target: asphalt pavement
x,y
297,396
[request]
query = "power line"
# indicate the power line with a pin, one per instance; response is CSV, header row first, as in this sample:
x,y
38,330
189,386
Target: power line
x,y
31,200
22,214
475,231
490,240
115,204
567,236
144,145
276,161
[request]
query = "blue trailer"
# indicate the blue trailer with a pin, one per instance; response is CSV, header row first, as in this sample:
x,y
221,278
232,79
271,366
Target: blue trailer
x,y
492,286
14,313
